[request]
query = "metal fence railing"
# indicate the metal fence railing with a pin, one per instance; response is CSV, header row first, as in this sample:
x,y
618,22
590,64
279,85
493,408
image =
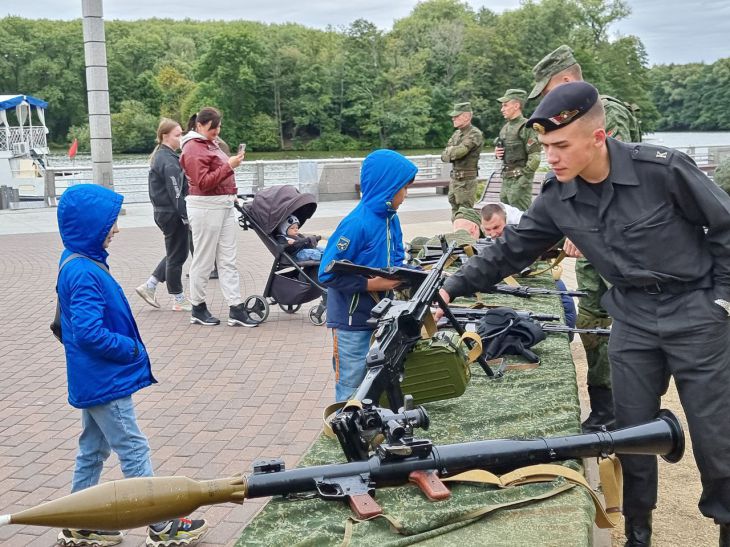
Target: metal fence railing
x,y
251,176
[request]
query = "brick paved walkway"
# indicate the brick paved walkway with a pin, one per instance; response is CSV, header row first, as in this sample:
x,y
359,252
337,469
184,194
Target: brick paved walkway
x,y
226,396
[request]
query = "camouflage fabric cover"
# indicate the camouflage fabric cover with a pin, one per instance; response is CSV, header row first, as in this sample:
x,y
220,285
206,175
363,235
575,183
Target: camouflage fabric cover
x,y
539,402
722,175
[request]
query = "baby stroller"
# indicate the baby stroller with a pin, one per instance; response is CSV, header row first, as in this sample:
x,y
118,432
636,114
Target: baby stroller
x,y
290,283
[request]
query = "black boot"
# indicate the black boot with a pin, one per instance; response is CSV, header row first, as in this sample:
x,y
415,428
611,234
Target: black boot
x,y
238,316
638,530
601,410
725,535
202,316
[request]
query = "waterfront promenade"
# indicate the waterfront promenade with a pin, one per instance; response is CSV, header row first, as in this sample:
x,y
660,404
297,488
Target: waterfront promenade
x,y
226,396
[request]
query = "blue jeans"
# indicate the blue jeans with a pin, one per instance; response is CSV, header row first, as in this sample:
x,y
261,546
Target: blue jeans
x,y
308,254
568,305
112,426
348,360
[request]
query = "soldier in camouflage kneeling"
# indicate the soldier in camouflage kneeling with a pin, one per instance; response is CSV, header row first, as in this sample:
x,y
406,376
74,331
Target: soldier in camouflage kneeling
x,y
462,151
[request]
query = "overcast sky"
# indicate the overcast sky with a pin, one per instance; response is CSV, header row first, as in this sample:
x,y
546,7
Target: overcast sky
x,y
673,31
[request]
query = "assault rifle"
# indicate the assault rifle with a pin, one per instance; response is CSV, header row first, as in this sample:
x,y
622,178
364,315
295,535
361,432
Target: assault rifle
x,y
130,503
467,316
413,278
398,328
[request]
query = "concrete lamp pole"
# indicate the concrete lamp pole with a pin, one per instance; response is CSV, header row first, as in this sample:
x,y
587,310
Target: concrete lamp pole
x,y
97,86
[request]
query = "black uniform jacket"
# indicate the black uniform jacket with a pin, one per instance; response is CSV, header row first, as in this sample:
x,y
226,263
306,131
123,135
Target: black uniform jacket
x,y
657,221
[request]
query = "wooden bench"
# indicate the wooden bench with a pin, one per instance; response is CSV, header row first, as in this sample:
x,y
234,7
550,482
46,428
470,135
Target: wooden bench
x,y
493,188
441,185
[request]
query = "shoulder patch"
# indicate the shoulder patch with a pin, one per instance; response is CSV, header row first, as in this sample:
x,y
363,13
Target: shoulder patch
x,y
343,243
654,154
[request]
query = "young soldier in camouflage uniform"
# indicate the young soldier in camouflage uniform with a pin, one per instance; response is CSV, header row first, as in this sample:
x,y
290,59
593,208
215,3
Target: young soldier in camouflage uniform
x,y
519,151
463,151
554,69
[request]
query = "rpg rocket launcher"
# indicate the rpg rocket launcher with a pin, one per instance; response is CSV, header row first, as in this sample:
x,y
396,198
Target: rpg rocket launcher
x,y
137,502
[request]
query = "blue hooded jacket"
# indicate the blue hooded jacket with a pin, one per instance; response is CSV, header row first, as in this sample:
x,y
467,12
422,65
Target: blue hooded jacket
x,y
105,356
369,236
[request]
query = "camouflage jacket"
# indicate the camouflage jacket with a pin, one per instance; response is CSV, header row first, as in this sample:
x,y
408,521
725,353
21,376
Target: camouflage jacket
x,y
521,149
621,123
463,151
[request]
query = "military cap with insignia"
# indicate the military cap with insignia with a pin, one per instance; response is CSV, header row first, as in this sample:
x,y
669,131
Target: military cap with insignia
x,y
549,66
514,95
562,106
460,108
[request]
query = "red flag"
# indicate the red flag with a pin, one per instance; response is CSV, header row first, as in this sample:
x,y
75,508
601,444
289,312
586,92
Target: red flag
x,y
74,148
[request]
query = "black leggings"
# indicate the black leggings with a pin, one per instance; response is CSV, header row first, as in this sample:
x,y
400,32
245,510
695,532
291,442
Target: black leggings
x,y
177,243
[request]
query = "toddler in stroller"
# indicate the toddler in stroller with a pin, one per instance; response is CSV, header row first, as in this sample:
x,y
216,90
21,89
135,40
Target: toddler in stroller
x,y
293,278
301,247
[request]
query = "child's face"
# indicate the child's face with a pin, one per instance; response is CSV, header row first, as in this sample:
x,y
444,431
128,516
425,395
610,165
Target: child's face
x,y
293,230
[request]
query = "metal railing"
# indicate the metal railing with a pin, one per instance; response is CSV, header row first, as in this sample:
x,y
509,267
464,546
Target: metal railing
x,y
252,176
34,136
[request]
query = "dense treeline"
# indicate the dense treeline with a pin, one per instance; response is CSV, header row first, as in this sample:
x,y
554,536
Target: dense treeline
x,y
692,97
288,86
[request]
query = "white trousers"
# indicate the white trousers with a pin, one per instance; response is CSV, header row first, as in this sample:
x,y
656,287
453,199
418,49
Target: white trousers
x,y
214,226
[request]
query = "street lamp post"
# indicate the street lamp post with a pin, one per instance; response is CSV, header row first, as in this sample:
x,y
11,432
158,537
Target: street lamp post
x,y
97,87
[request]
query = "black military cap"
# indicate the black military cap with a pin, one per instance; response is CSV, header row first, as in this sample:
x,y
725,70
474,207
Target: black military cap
x,y
562,106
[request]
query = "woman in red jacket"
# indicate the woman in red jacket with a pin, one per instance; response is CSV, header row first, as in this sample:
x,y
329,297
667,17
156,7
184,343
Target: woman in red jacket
x,y
212,217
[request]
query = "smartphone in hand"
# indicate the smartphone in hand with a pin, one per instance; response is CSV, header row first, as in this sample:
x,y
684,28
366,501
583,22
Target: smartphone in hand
x,y
241,148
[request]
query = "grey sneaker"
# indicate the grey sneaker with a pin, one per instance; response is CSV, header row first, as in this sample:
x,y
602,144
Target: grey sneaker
x,y
69,537
148,295
176,532
182,305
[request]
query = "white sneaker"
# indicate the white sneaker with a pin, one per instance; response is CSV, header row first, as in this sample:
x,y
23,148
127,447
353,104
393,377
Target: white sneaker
x,y
182,305
148,295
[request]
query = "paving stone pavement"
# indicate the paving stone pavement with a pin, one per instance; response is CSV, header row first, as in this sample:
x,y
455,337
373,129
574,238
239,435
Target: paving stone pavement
x,y
226,396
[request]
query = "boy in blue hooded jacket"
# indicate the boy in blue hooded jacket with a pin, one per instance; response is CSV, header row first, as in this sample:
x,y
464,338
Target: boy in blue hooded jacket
x,y
106,361
369,236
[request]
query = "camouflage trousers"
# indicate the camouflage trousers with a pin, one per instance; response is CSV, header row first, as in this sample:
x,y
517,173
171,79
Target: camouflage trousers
x,y
590,315
517,192
462,193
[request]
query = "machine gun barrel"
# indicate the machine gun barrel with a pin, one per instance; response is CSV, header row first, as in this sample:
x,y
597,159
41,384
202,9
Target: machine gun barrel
x,y
550,328
137,502
528,292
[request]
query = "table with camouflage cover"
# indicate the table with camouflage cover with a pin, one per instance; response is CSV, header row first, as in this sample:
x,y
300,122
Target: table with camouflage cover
x,y
528,403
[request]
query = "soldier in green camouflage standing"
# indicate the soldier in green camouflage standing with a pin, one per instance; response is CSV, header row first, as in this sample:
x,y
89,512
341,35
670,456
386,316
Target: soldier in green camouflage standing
x,y
462,151
557,68
519,150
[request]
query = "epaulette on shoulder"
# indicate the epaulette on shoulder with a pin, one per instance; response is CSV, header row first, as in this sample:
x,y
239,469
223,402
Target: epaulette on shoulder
x,y
652,153
550,180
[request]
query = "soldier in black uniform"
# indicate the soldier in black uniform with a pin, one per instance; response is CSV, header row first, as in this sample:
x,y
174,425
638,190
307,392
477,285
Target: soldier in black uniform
x,y
658,230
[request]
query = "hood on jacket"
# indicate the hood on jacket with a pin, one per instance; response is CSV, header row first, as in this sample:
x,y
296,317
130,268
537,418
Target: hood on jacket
x,y
383,174
191,135
86,213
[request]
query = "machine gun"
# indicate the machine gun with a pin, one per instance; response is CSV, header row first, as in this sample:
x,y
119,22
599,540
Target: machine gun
x,y
467,316
130,503
398,328
413,278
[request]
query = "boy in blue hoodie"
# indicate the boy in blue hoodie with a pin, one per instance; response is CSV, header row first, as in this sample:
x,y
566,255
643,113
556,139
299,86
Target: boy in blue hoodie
x,y
369,236
106,361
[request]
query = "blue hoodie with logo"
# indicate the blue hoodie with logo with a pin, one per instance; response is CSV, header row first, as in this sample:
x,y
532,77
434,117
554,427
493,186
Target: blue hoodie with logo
x,y
369,236
105,356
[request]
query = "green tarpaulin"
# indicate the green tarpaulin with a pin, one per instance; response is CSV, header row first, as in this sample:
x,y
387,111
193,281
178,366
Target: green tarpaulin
x,y
531,403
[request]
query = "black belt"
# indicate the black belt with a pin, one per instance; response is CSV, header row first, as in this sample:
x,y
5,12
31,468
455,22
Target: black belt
x,y
675,287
